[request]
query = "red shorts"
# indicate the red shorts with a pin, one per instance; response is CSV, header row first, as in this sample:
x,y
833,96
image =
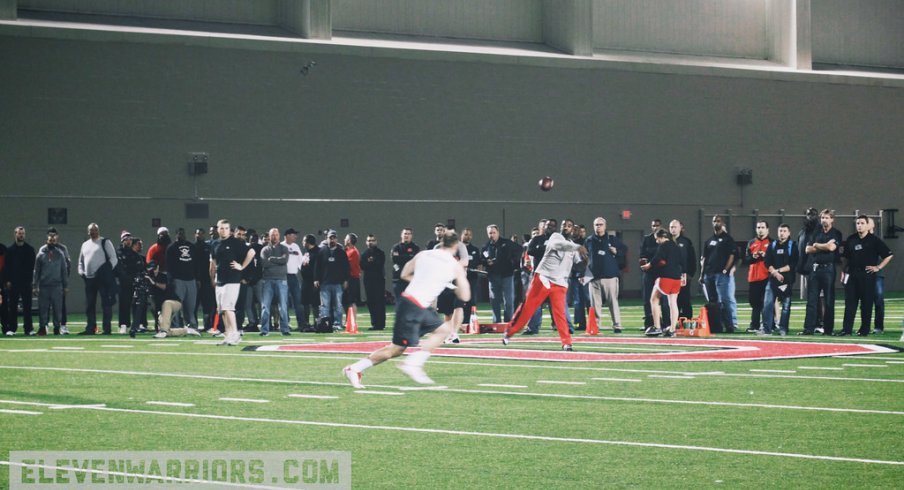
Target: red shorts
x,y
668,286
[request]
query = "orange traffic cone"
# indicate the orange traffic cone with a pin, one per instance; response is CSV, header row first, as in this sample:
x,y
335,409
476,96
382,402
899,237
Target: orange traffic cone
x,y
702,329
216,323
351,320
473,325
593,327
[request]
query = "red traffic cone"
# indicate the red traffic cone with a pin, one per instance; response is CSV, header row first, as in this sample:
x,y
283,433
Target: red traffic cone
x,y
593,327
351,320
473,325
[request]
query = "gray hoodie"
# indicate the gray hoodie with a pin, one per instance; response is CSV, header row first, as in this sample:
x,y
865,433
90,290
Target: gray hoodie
x,y
51,268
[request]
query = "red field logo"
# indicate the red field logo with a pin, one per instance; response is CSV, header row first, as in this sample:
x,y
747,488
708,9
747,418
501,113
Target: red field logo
x,y
705,349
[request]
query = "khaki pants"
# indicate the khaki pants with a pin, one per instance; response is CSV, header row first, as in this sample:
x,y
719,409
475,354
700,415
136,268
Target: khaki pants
x,y
169,309
605,291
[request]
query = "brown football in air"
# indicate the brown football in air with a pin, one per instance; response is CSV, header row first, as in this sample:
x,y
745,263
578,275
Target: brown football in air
x,y
546,183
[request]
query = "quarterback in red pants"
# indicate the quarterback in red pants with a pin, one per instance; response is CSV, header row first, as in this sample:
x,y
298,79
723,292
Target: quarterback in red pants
x,y
551,281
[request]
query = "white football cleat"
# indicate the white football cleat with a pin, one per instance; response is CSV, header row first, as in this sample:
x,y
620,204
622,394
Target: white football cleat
x,y
354,377
160,335
416,373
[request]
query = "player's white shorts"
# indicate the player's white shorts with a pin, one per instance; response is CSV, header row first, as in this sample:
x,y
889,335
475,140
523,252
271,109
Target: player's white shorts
x,y
227,297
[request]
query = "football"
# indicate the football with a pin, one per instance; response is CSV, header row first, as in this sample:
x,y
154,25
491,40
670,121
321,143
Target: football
x,y
546,183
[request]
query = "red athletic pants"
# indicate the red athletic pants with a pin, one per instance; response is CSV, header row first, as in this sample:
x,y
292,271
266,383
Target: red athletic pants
x,y
536,295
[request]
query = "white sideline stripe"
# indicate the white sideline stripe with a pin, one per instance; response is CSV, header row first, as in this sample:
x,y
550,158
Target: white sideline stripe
x,y
168,344
321,397
68,348
895,362
772,371
28,350
670,376
246,400
170,404
818,368
460,363
147,479
487,392
371,392
617,379
529,437
422,388
20,412
87,405
554,382
865,365
493,385
118,346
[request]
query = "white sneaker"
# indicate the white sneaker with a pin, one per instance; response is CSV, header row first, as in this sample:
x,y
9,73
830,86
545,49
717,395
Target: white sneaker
x,y
123,330
233,340
193,332
452,339
10,333
160,335
505,340
416,373
354,377
64,330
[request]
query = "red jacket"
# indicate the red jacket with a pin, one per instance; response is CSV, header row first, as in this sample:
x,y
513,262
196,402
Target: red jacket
x,y
758,270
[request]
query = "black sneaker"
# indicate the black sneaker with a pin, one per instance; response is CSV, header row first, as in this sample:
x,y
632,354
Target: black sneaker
x,y
842,334
87,332
568,348
805,332
616,329
528,332
286,334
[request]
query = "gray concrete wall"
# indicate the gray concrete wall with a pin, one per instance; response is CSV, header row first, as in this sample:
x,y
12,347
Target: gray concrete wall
x,y
94,126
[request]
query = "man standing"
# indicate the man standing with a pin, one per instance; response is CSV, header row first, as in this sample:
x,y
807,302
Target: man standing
x,y
499,256
822,251
51,282
310,296
157,251
716,262
207,301
757,274
180,255
124,255
805,260
551,281
352,295
439,230
536,248
427,275
781,262
402,252
293,280
473,263
229,256
331,277
603,251
372,263
18,274
274,257
647,250
96,262
676,228
862,253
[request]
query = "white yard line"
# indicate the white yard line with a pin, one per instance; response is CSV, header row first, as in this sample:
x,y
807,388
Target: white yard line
x,y
670,376
554,382
772,371
866,365
319,397
20,412
170,404
372,392
528,437
244,400
819,368
894,362
117,346
492,385
630,380
68,348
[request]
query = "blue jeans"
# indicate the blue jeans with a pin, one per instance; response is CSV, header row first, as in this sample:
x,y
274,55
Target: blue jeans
x,y
293,285
718,290
732,301
502,289
880,302
331,295
769,310
579,299
269,288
